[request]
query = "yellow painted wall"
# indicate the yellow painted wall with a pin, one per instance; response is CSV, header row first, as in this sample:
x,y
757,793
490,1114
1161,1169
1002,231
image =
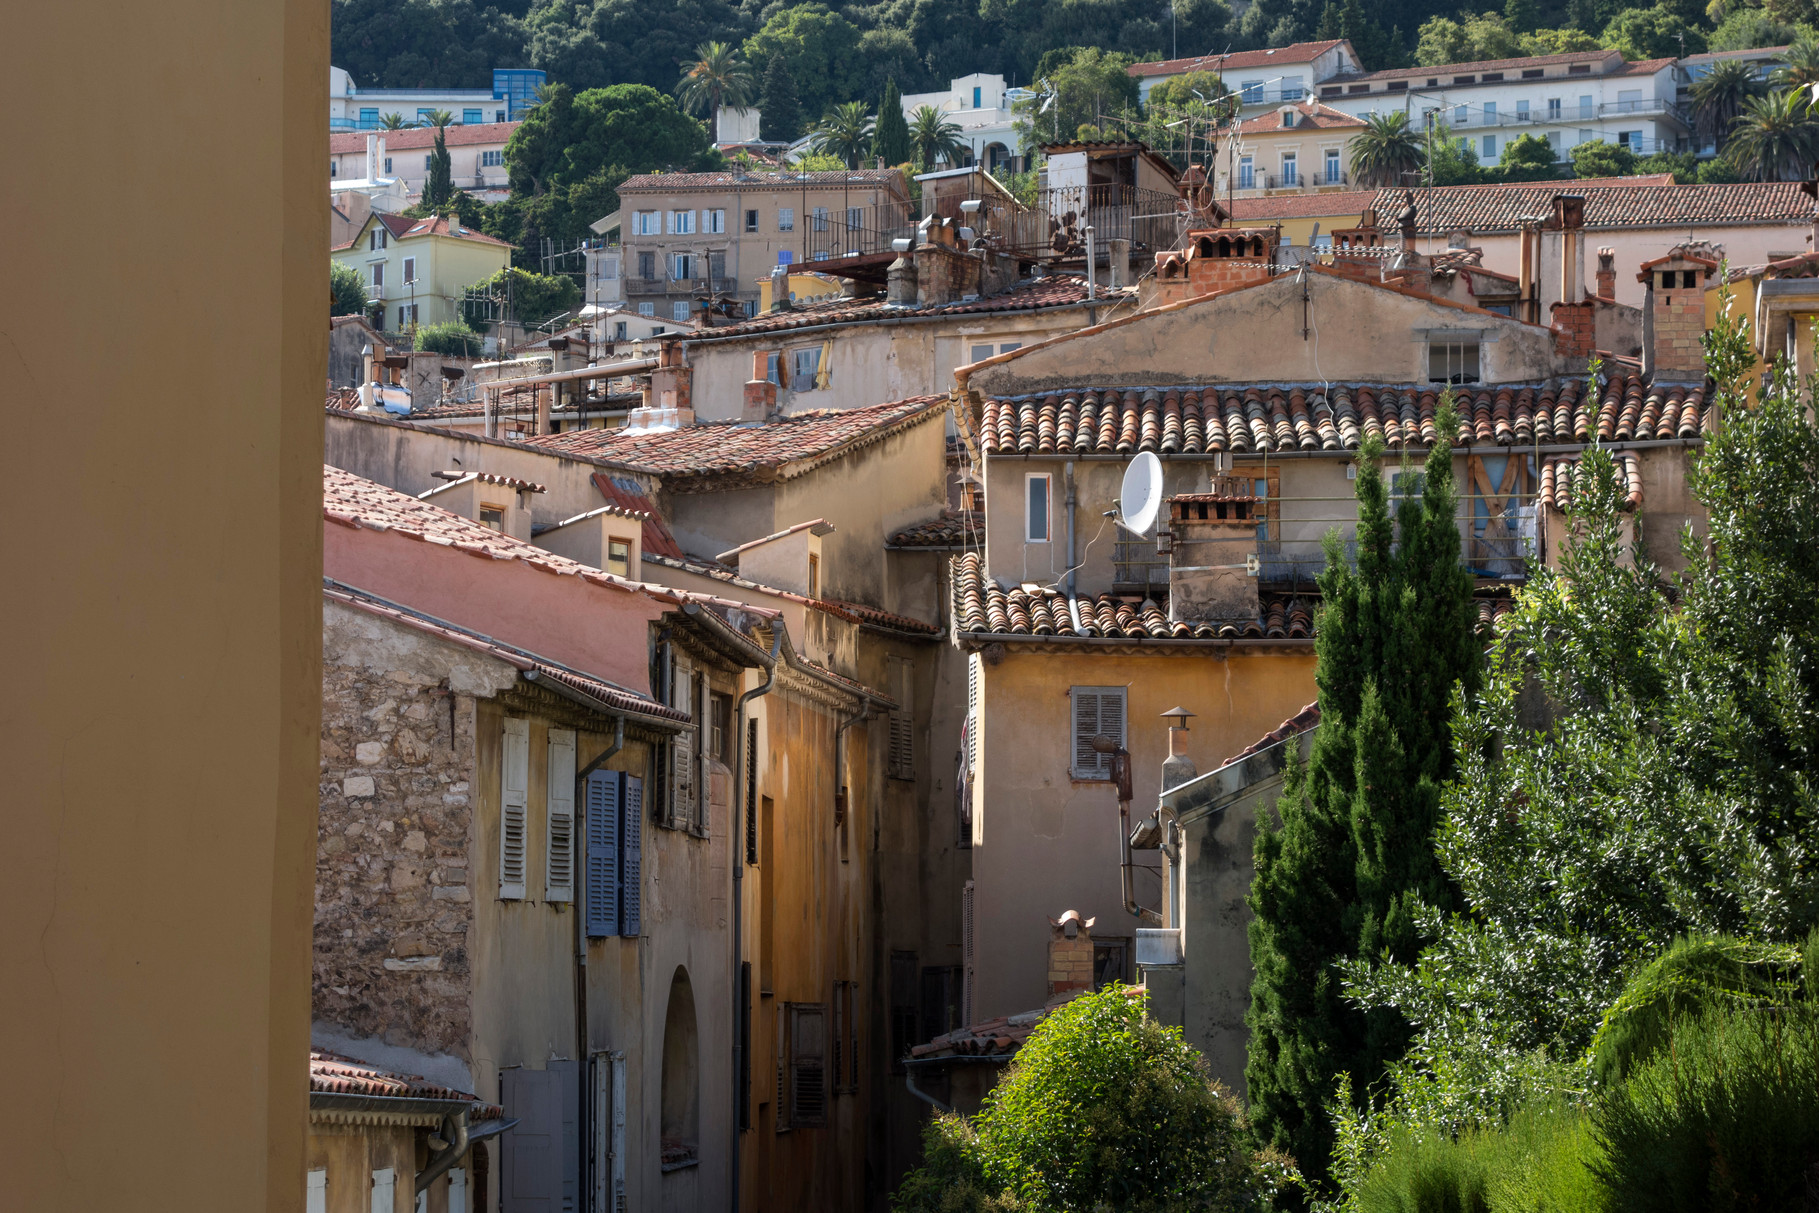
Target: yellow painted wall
x,y
802,287
162,688
1050,843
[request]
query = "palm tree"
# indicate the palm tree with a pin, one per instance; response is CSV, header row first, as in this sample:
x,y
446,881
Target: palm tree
x,y
1719,97
716,79
1775,137
846,133
439,119
934,138
395,122
1799,65
1384,151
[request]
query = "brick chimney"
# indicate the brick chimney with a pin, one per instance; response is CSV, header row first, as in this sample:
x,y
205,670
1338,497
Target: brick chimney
x,y
1607,273
1575,331
672,383
1673,314
760,392
944,271
1070,954
1230,257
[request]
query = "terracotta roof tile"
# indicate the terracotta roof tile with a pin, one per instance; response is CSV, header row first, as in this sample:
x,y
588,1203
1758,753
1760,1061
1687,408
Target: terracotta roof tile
x,y
623,492
1302,206
333,1074
1559,473
852,612
1247,418
423,137
1307,718
1609,203
760,179
955,528
1314,115
1296,52
1055,290
734,451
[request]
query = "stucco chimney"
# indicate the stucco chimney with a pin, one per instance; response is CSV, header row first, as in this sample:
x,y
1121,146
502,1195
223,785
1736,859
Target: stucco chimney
x,y
901,279
1177,768
780,300
379,158
1118,250
1607,273
1070,954
372,156
760,392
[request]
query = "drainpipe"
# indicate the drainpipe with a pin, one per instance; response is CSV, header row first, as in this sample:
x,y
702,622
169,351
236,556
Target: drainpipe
x,y
1092,290
909,1080
1121,776
740,1022
578,902
454,1133
1068,476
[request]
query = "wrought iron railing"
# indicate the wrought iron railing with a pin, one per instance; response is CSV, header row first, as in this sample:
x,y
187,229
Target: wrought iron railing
x,y
1056,226
855,231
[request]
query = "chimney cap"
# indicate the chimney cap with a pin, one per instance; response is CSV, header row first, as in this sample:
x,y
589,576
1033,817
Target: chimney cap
x,y
1178,717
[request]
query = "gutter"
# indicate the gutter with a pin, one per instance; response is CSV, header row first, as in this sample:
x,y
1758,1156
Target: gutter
x,y
604,371
337,1101
1156,642
601,706
895,320
1517,448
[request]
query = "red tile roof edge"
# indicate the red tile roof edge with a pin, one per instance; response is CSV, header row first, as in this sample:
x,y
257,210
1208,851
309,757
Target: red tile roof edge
x,y
1307,52
417,138
852,612
1307,718
333,1074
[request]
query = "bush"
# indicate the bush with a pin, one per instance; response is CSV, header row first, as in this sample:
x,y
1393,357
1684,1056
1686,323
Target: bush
x,y
450,337
1103,1106
347,290
1541,1163
1726,1116
534,298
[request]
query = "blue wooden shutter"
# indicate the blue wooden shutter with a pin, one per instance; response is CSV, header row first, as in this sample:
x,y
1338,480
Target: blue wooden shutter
x,y
631,854
603,853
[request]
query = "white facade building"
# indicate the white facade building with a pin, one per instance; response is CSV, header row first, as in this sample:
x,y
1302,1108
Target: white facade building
x,y
1263,78
980,105
1566,99
352,108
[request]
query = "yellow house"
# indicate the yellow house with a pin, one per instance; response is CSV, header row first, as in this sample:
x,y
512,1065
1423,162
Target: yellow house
x,y
1305,218
1298,148
1779,303
417,270
802,288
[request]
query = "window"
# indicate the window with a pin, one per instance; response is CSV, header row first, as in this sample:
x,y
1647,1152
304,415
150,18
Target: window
x,y
514,806
410,270
683,266
1333,173
1452,359
716,265
1586,108
1096,711
682,223
903,732
855,218
1579,69
1293,89
498,115
751,791
1631,140
1586,136
1111,961
846,1039
388,164
379,273
1396,86
644,223
375,240
751,221
423,117
647,266
772,368
1553,141
1531,73
805,364
473,117
678,311
1490,113
814,575
818,217
1461,114
976,91
1522,111
492,516
1247,173
384,1192
903,1008
1553,109
615,844
1036,511
618,551
315,1192
803,1074
407,314
369,117
1289,176
1252,91
559,838
647,309
492,159
334,169
940,1000
720,728
429,162
715,221
1490,147
786,218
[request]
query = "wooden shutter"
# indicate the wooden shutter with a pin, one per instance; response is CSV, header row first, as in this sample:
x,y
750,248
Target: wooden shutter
x,y
385,1188
457,1190
751,791
631,855
683,750
782,1018
603,853
808,1064
966,954
902,720
839,1037
851,1019
609,1133
315,1193
514,795
559,843
1096,710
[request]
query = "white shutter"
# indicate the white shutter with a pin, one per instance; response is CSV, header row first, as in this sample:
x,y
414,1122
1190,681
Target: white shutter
x,y
975,694
1096,710
684,757
559,880
315,1193
514,797
384,1186
457,1190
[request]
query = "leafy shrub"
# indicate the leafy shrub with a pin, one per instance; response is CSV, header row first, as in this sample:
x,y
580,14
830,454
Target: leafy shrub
x,y
1103,1106
347,290
1541,1163
450,337
1724,1116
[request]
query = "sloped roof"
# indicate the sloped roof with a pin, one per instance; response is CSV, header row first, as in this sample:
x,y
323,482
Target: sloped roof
x,y
1204,419
1295,52
1609,203
623,492
1559,473
1445,71
1307,718
333,1074
955,528
888,178
725,451
1302,206
1313,115
852,612
423,137
1054,290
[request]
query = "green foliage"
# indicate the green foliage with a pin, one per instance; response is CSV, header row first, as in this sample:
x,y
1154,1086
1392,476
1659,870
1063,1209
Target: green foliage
x,y
347,290
1724,1116
1719,97
1596,158
890,135
1541,1162
1103,1107
1718,171
425,43
1089,85
595,43
1748,28
1385,151
818,162
1527,158
1683,165
1352,862
934,139
1799,67
1452,160
1653,33
1775,138
1187,90
1557,42
450,337
439,186
717,78
571,137
845,134
1483,36
528,298
780,110
821,49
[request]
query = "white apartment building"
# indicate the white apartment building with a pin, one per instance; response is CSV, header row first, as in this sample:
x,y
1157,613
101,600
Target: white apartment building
x,y
980,105
352,108
476,158
1262,79
1566,99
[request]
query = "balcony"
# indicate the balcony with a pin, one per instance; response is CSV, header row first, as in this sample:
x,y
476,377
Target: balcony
x,y
857,231
1566,115
683,288
1056,226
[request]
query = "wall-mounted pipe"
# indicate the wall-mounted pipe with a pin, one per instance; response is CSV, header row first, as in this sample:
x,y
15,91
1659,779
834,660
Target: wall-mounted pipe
x,y
454,1136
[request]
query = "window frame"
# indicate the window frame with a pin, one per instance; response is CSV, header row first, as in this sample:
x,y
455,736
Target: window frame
x,y
1078,746
1462,343
716,221
1048,507
800,380
681,223
751,219
786,218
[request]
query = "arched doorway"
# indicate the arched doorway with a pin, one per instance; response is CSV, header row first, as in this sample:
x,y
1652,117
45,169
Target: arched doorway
x,y
681,1120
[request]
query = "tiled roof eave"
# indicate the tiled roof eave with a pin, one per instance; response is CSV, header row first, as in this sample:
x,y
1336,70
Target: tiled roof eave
x,y
1014,640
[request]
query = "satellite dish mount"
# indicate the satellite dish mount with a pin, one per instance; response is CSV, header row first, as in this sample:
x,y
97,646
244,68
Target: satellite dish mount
x,y
1140,498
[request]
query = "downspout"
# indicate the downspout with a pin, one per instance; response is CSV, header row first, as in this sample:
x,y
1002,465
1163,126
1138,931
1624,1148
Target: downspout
x,y
909,1080
741,1022
1068,477
441,1162
579,904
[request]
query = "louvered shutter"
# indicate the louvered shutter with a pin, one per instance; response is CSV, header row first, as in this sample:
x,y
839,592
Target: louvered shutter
x,y
808,1064
559,844
514,796
902,720
751,791
966,954
975,694
631,855
603,853
782,1018
315,1193
1096,710
839,1040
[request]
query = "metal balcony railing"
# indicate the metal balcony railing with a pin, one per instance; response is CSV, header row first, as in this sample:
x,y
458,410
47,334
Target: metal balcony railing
x,y
856,231
1056,226
1339,178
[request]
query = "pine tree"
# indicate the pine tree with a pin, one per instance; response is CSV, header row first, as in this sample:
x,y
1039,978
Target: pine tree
x,y
1329,23
439,187
1520,16
780,113
1354,850
890,136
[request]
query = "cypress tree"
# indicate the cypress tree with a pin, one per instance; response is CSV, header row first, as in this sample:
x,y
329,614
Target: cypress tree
x,y
890,135
1341,877
780,112
439,187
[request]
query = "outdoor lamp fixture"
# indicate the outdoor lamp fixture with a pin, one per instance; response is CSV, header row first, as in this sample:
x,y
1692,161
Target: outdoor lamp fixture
x,y
1121,778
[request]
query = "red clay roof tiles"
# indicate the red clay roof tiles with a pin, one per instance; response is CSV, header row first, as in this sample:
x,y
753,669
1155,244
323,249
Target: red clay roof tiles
x,y
423,137
759,179
333,1074
1296,52
955,528
1055,290
1313,115
1609,203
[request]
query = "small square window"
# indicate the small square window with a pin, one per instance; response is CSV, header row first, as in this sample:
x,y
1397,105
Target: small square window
x,y
492,516
619,557
1036,508
1452,360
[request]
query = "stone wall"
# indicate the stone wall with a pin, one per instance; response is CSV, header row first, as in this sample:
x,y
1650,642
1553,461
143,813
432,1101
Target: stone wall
x,y
393,898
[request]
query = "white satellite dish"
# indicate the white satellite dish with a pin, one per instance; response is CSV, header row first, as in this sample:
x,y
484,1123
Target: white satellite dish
x,y
1140,500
